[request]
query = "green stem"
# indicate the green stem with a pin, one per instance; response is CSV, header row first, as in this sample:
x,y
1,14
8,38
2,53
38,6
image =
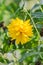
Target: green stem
x,y
34,24
40,6
14,13
25,16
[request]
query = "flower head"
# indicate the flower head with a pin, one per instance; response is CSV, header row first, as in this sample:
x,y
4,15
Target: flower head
x,y
20,30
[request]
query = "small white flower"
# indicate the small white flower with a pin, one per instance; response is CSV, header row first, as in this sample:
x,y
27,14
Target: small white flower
x,y
8,56
17,54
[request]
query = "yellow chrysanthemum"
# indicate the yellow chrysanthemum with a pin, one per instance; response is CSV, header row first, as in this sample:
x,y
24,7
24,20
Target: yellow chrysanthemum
x,y
20,30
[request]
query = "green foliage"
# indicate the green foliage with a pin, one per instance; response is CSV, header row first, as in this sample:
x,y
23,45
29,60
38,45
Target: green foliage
x,y
32,51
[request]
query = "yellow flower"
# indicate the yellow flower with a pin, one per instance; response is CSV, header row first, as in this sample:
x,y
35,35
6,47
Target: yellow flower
x,y
20,31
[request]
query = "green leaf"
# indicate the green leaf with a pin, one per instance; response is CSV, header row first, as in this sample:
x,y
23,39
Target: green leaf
x,y
37,15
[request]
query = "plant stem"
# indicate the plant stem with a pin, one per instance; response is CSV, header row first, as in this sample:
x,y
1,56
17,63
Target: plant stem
x,y
34,24
40,6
